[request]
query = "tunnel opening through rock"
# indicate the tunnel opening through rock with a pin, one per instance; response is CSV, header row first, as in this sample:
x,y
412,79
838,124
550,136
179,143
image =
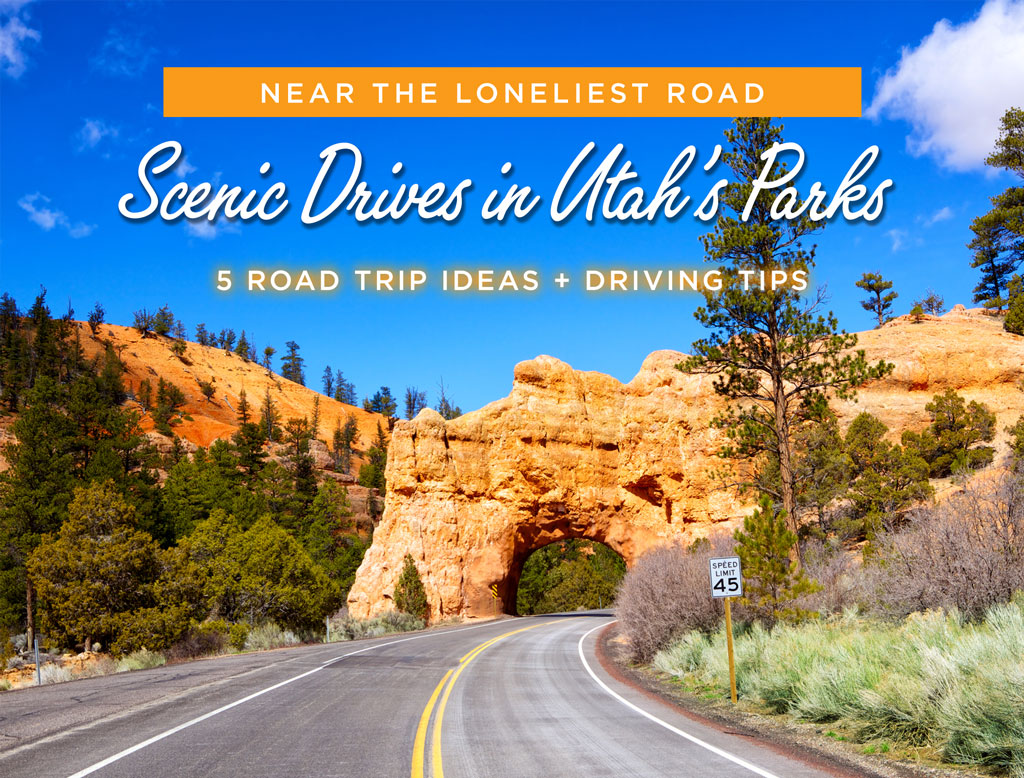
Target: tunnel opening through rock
x,y
567,575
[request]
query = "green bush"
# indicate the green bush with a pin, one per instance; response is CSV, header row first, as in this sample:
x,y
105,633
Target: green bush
x,y
387,624
6,648
149,628
931,680
1014,321
141,660
238,635
208,639
5,685
410,596
269,635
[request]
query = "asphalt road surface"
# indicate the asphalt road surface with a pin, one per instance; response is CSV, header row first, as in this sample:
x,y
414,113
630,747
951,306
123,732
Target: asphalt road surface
x,y
517,697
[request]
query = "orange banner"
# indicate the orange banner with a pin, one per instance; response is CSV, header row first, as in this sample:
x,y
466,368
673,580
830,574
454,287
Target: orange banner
x,y
511,92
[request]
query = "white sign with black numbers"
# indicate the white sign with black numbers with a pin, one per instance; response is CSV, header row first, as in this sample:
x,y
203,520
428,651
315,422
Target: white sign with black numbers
x,y
726,577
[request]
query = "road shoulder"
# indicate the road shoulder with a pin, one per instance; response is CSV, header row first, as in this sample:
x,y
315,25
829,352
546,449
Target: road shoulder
x,y
804,742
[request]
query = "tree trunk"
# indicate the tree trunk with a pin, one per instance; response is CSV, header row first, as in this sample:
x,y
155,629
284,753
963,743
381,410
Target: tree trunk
x,y
30,614
786,478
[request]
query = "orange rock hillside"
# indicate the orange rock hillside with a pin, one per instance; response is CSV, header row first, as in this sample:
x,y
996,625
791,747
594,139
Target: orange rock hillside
x,y
577,454
205,421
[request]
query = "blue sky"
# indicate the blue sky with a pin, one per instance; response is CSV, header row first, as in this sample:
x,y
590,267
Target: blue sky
x,y
80,103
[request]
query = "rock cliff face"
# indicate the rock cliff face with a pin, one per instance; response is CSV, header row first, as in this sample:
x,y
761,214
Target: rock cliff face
x,y
577,454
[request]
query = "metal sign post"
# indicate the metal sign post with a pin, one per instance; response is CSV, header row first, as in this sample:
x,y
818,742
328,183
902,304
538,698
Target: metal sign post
x,y
727,582
497,598
728,640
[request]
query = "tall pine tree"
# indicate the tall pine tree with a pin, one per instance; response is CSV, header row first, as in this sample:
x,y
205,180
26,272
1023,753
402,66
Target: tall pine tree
x,y
292,364
998,242
775,356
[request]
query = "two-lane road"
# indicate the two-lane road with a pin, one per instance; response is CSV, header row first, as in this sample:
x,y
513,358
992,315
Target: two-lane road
x,y
520,697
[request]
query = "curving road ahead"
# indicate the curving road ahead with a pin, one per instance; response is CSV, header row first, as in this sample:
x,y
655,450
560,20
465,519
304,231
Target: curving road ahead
x,y
519,697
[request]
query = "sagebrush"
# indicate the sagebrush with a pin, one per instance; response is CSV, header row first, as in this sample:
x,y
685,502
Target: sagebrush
x,y
933,679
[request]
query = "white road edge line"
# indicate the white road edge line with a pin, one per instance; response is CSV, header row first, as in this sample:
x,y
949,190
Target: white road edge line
x,y
156,738
695,740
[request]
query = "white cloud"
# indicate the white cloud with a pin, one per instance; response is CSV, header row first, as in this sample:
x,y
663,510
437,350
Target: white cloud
x,y
183,168
201,228
943,214
123,53
37,206
15,37
956,84
204,229
898,238
93,131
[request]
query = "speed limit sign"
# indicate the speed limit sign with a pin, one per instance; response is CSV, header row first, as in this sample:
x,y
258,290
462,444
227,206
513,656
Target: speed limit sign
x,y
726,577
727,582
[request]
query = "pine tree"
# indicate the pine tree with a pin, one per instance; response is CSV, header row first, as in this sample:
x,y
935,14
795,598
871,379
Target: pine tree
x,y
13,352
344,438
44,354
269,418
329,516
383,403
248,440
344,391
292,364
202,336
884,479
995,262
371,474
932,303
880,304
163,321
268,355
998,242
775,357
410,596
96,318
772,581
1016,433
168,399
143,322
445,406
36,488
950,444
1014,321
227,340
415,401
298,434
328,381
242,349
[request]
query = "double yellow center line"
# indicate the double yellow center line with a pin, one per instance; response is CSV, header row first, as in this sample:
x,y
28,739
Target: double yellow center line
x,y
419,756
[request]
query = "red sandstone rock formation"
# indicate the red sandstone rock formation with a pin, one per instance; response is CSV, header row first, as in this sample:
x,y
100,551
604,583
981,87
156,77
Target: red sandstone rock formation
x,y
576,454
